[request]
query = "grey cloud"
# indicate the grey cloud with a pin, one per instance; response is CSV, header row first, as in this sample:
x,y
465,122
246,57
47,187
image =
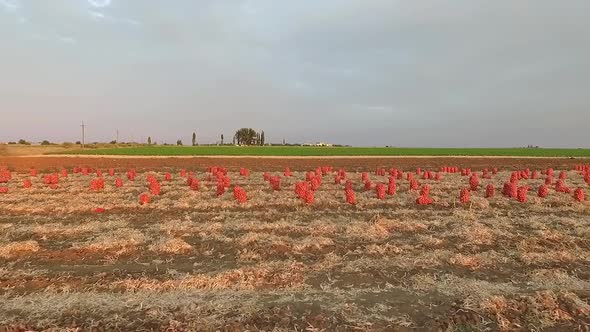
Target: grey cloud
x,y
100,17
372,72
99,3
9,5
97,15
66,39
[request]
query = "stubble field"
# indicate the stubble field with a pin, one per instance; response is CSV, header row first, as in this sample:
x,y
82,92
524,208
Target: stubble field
x,y
72,257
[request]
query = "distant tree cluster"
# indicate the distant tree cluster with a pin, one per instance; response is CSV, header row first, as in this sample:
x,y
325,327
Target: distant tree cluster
x,y
249,136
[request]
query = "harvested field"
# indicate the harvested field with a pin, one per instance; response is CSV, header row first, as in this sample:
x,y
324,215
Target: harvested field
x,y
195,259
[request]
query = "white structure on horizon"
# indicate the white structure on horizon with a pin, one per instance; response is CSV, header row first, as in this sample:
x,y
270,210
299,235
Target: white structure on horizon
x,y
318,144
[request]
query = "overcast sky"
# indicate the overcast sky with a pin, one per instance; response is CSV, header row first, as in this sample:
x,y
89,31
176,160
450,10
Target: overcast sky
x,y
362,72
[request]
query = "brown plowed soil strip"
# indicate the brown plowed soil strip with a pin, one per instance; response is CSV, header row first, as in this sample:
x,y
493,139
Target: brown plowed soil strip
x,y
279,164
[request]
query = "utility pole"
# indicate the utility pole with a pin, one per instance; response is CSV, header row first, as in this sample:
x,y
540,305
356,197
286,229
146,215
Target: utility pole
x,y
83,134
117,141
